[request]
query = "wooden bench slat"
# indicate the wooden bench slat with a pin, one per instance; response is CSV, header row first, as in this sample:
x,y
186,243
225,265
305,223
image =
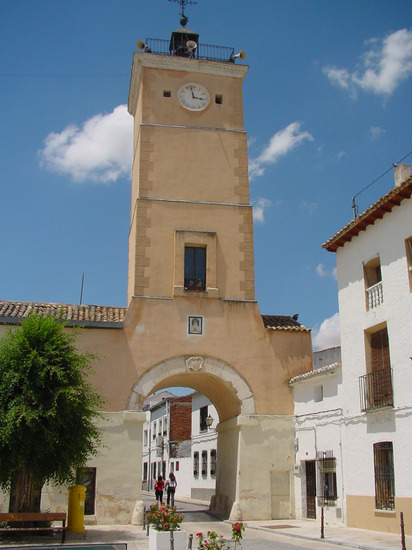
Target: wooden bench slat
x,y
35,517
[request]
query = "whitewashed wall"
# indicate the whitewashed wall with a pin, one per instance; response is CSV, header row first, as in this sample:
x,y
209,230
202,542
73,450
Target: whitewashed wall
x,y
318,427
385,238
203,487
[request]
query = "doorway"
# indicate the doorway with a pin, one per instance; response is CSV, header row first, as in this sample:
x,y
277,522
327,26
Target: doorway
x,y
311,489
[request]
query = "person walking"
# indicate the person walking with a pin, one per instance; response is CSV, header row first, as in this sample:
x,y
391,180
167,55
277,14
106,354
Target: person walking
x,y
171,485
159,489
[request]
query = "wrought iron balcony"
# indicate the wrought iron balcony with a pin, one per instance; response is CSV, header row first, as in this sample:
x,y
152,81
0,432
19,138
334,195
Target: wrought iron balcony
x,y
376,390
374,295
202,51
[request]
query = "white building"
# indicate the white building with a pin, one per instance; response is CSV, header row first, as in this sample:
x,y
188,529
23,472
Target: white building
x,y
374,266
166,441
204,447
180,436
318,438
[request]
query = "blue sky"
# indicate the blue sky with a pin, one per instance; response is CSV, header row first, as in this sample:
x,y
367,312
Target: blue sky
x,y
327,103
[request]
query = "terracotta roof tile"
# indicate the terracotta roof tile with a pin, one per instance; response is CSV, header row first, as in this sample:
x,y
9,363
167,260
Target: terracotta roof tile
x,y
106,316
328,369
385,204
283,322
86,315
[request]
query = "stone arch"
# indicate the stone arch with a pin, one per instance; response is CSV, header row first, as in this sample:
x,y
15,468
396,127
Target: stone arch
x,y
228,391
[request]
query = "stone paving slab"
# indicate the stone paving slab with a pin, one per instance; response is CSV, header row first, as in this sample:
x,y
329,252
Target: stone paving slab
x,y
308,530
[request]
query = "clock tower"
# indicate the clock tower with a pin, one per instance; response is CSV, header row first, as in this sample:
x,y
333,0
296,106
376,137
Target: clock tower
x,y
191,221
192,319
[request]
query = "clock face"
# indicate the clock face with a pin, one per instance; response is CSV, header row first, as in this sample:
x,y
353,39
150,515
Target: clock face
x,y
193,97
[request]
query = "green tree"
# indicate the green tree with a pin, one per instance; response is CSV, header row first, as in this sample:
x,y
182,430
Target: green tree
x,y
47,408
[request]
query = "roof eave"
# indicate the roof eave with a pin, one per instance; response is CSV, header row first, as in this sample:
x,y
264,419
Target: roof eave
x,y
375,212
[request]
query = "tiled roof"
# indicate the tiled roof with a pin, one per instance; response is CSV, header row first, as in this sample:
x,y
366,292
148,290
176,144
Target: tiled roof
x,y
375,212
329,369
75,315
105,316
283,322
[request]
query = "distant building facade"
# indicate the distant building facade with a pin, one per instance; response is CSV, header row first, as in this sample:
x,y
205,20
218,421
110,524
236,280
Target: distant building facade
x,y
318,469
177,438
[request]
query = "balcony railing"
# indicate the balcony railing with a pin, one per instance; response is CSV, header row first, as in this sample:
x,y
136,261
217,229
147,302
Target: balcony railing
x,y
203,51
376,390
374,295
195,278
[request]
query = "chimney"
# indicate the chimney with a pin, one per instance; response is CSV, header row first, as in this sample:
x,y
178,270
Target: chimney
x,y
402,173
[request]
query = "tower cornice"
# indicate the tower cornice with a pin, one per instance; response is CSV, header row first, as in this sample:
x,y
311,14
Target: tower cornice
x,y
152,61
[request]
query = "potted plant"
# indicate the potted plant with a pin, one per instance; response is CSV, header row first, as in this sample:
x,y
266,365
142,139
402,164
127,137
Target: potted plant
x,y
162,519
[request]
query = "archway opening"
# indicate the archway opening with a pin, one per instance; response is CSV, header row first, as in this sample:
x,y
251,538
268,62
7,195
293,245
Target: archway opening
x,y
203,457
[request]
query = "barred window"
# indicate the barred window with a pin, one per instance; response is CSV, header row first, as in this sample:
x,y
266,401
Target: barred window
x,y
213,463
384,476
327,489
196,464
204,463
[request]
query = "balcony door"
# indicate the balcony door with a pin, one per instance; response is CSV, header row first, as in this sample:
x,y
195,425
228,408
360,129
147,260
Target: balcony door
x,y
381,368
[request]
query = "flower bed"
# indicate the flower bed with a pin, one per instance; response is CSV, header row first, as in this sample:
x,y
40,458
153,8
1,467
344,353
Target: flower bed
x,y
212,541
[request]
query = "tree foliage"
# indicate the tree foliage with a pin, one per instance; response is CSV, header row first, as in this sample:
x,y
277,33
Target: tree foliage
x,y
47,406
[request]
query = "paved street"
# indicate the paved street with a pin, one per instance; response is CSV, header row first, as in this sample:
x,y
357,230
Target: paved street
x,y
259,535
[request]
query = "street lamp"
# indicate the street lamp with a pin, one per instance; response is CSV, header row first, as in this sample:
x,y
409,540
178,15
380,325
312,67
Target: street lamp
x,y
209,421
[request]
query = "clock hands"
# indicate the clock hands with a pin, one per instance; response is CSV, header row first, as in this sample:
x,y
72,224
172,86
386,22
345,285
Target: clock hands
x,y
193,95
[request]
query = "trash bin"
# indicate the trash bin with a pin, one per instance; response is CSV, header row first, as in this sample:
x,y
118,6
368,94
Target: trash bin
x,y
75,516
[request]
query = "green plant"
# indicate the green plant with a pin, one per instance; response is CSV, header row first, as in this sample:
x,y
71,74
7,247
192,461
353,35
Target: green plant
x,y
213,541
48,408
164,517
237,532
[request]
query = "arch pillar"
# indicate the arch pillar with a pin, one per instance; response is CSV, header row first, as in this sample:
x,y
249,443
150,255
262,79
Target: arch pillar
x,y
255,467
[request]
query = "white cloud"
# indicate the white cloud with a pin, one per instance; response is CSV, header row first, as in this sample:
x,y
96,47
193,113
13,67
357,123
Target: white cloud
x,y
375,132
310,207
340,77
259,207
383,67
279,145
322,272
99,151
328,335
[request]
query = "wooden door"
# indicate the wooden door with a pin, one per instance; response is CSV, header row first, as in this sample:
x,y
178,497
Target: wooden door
x,y
311,489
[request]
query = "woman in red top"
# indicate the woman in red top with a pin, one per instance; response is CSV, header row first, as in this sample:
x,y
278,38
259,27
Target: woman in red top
x,y
159,489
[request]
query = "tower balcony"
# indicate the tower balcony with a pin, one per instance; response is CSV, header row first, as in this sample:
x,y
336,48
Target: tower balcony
x,y
202,51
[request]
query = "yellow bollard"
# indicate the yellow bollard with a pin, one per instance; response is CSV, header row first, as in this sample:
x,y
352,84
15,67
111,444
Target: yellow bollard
x,y
75,516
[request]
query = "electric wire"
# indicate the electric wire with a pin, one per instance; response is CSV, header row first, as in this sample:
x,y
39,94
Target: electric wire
x,y
354,206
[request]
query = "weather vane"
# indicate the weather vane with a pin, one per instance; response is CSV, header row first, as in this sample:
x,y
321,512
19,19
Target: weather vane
x,y
183,4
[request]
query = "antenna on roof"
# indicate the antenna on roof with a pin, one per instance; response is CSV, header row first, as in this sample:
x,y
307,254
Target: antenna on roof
x,y
81,290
